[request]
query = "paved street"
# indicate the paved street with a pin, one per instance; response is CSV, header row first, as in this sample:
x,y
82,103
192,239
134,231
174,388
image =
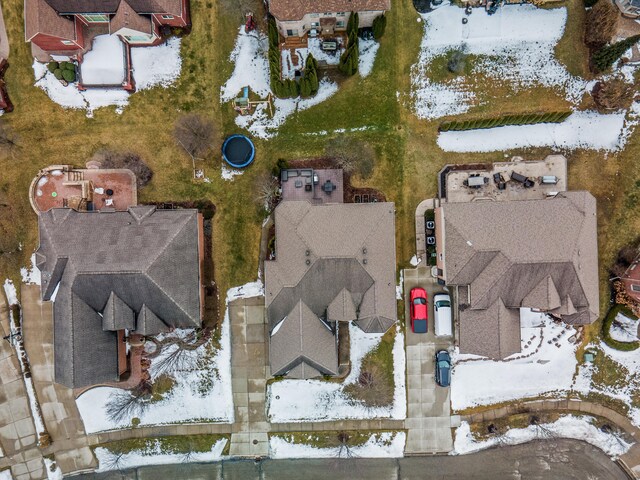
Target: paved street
x,y
428,420
543,460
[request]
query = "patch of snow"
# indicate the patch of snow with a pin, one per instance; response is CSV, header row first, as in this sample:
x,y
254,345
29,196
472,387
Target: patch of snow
x,y
229,173
400,286
580,130
42,181
6,474
184,403
531,319
541,367
316,400
383,445
52,469
262,126
515,45
579,428
154,456
361,343
56,173
104,64
414,261
367,50
251,66
159,65
624,329
31,275
10,292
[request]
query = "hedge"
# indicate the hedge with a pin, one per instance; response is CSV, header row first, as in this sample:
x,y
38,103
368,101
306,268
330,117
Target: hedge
x,y
606,326
520,119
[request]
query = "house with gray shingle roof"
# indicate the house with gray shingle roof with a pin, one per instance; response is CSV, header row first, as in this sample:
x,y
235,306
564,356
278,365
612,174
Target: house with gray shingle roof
x,y
334,263
113,274
500,256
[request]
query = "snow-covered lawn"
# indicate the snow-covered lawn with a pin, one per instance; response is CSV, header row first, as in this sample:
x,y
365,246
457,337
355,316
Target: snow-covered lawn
x,y
515,45
154,455
251,69
624,329
622,377
317,400
10,292
202,391
382,445
367,50
580,130
579,428
541,367
152,66
104,64
31,274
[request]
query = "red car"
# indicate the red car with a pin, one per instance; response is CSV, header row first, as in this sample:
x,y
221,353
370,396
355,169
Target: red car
x,y
418,302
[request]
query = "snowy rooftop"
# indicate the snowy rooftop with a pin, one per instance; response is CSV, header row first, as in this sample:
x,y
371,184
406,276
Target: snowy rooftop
x,y
105,63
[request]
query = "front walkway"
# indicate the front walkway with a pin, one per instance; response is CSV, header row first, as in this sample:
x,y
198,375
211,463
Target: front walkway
x,y
249,371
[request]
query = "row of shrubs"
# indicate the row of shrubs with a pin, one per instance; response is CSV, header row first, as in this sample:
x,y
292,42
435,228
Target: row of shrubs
x,y
520,119
351,56
63,71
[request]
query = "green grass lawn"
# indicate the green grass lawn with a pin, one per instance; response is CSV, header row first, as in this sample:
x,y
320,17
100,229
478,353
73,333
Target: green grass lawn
x,y
408,157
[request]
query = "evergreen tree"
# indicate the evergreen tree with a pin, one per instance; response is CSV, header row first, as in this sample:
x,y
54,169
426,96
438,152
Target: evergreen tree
x,y
379,26
305,87
604,58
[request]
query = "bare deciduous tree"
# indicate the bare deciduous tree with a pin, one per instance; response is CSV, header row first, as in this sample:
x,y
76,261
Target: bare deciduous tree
x,y
8,138
344,448
352,155
178,358
126,404
195,134
267,190
129,160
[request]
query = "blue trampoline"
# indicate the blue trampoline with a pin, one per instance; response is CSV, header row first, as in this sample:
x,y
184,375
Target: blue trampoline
x,y
238,151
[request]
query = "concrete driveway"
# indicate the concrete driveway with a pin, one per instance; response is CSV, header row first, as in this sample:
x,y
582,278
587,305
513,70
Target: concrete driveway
x,y
429,418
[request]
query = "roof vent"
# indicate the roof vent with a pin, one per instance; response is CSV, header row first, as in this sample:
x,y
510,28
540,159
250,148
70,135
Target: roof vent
x,y
307,252
364,261
364,251
307,261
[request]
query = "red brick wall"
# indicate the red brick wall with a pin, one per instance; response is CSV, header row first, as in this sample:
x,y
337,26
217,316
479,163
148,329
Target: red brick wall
x,y
176,21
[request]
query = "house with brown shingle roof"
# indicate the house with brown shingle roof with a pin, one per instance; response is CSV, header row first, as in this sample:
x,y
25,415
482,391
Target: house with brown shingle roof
x,y
296,18
66,27
334,264
500,256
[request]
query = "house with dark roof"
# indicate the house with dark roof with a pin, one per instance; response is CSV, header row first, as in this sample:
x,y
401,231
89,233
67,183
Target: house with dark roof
x,y
498,257
297,18
67,27
113,275
334,264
